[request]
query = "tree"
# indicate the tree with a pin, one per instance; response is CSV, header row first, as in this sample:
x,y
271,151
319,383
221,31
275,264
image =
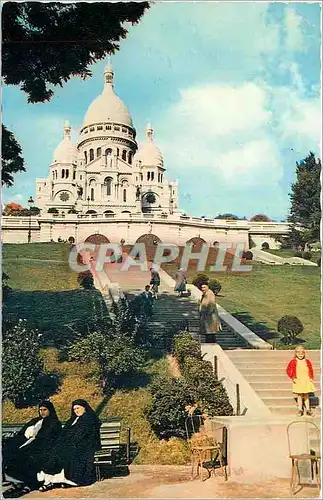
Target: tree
x,y
46,44
22,365
260,218
227,216
12,161
11,208
305,211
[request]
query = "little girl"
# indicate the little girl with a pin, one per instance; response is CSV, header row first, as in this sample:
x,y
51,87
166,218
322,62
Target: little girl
x,y
300,370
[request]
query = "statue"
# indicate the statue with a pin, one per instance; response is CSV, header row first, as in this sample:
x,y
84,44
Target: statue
x,y
79,192
138,193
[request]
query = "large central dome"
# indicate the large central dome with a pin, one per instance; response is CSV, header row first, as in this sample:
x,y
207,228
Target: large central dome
x,y
108,107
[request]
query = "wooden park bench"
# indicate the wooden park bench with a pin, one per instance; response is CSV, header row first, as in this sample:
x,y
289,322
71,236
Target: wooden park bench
x,y
112,452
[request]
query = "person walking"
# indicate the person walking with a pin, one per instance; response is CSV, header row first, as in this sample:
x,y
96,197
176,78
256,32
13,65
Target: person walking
x,y
147,301
209,317
154,281
300,371
180,282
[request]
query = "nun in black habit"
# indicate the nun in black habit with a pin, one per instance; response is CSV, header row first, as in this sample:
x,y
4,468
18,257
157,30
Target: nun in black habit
x,y
25,454
70,463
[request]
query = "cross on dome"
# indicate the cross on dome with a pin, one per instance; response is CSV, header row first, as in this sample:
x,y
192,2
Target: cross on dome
x,y
149,132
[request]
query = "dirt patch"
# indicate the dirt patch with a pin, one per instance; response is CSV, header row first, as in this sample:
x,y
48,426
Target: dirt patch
x,y
174,368
175,482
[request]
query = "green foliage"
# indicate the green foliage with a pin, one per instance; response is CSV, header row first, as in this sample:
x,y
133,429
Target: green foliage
x,y
260,218
289,327
227,216
52,210
298,254
11,159
215,286
21,362
85,280
307,255
166,413
318,262
305,211
86,32
185,346
203,279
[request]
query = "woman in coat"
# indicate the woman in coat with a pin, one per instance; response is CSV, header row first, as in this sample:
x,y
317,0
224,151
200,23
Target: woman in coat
x,y
180,282
71,460
24,454
209,316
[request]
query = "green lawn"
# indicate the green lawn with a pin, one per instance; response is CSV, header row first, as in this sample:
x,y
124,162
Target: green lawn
x,y
286,253
260,298
47,294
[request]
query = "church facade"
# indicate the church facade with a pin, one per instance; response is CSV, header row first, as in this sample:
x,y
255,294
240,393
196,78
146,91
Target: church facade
x,y
107,173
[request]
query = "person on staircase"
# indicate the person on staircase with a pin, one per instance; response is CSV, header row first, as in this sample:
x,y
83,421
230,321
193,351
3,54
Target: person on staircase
x,y
180,282
154,281
147,301
209,317
300,371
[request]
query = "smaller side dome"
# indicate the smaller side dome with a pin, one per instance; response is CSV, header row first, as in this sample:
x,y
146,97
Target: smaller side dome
x,y
148,153
66,151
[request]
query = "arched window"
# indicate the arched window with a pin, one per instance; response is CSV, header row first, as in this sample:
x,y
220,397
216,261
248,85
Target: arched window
x,y
74,175
108,184
148,176
98,152
124,155
124,195
85,157
130,157
67,173
91,154
152,176
63,173
108,151
92,194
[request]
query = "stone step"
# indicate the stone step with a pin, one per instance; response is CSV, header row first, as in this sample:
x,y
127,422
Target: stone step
x,y
270,378
257,368
284,384
280,400
263,355
287,410
281,392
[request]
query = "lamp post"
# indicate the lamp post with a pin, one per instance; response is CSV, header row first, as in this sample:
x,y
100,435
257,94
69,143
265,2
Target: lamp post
x,y
30,203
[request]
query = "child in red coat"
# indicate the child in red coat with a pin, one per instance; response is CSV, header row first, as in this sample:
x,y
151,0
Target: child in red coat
x,y
300,370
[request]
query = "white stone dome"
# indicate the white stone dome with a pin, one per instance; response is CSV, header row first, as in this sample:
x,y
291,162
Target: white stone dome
x,y
108,107
66,151
148,153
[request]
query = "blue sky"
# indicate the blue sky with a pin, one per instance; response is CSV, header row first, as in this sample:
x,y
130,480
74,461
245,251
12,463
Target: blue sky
x,y
232,91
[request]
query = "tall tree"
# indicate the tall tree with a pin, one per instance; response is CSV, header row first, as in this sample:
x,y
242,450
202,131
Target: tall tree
x,y
12,161
260,218
45,44
305,211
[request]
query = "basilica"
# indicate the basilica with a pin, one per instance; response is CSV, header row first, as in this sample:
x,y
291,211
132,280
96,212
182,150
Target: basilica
x,y
107,173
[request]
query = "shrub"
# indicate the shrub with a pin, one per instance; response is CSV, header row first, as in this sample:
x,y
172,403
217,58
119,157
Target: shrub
x,y
248,255
265,245
298,254
200,279
318,262
22,365
5,286
166,413
185,346
289,327
52,210
215,286
307,255
85,280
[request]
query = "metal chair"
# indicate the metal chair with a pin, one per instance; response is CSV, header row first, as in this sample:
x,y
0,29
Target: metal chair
x,y
304,445
208,447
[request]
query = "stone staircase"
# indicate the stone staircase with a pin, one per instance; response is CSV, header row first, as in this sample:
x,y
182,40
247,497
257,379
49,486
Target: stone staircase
x,y
265,371
169,308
